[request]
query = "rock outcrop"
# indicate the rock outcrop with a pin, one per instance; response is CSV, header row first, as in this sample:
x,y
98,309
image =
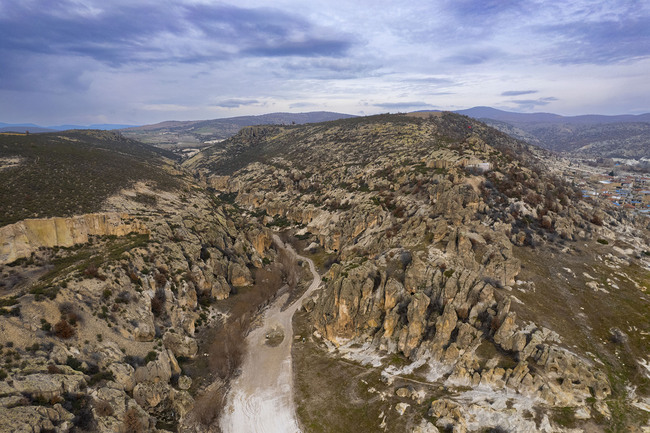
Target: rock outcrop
x,y
25,237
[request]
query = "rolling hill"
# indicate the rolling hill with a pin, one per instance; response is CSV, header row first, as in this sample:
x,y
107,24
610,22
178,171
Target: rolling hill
x,y
624,136
177,134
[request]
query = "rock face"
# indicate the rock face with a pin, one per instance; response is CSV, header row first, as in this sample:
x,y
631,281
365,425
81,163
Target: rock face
x,y
24,237
35,419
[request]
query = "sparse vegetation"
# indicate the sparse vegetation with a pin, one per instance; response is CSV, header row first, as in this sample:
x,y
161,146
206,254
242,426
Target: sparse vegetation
x,y
88,166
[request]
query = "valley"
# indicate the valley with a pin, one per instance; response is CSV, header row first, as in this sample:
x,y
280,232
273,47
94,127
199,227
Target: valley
x,y
410,272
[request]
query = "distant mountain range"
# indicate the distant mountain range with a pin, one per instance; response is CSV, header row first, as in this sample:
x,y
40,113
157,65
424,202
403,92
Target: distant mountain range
x,y
588,119
177,134
623,136
32,128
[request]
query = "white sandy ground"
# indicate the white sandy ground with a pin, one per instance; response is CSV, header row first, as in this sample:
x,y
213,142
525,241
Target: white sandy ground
x,y
261,398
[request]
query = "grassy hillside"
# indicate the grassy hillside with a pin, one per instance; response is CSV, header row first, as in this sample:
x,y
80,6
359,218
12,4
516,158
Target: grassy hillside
x,y
61,174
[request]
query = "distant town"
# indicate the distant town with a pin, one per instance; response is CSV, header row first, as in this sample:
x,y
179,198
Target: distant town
x,y
622,188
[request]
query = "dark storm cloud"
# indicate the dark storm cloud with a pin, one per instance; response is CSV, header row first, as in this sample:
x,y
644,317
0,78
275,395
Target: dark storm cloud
x,y
116,36
518,92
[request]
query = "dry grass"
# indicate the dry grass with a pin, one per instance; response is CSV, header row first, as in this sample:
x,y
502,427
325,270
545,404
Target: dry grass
x,y
334,395
132,422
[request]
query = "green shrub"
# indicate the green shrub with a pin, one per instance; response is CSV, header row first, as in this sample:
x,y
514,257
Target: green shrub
x,y
151,356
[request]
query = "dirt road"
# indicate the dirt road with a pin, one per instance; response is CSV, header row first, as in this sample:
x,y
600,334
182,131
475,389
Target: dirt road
x,y
261,398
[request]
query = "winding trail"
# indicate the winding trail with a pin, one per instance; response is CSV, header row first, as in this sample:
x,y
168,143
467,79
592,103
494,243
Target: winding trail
x,y
261,398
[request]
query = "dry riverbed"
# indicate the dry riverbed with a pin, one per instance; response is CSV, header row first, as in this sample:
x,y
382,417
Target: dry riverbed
x,y
261,399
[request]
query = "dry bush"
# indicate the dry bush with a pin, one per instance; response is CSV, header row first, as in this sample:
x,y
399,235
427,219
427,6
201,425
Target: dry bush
x,y
190,276
207,407
160,280
226,350
495,324
158,302
290,268
69,313
132,423
93,272
267,283
63,329
103,408
53,369
597,220
134,278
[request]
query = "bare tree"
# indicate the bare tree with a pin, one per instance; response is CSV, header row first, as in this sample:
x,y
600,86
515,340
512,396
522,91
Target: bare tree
x,y
290,267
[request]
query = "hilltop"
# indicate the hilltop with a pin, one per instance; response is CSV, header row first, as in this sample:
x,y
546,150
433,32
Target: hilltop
x,y
72,172
467,282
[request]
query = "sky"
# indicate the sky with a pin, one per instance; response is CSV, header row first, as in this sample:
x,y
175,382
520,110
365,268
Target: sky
x,y
146,61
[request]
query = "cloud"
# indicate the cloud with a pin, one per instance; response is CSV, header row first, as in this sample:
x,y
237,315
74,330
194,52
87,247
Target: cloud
x,y
302,105
331,68
432,80
474,56
403,105
518,92
153,33
600,42
529,104
479,10
235,103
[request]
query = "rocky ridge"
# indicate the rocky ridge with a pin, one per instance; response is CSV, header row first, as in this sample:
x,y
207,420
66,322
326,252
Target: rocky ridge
x,y
428,218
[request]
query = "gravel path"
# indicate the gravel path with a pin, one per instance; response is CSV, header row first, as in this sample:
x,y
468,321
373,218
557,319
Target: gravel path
x,y
261,398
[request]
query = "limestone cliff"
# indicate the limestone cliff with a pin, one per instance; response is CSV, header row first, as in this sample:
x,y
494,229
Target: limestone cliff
x,y
25,237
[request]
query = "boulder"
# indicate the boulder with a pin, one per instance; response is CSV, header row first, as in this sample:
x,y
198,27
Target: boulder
x,y
49,385
239,275
220,288
184,382
182,402
150,394
401,408
180,345
154,371
123,374
425,427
